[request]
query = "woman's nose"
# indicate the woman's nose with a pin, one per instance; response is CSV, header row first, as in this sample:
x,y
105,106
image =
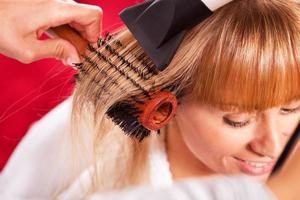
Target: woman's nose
x,y
267,140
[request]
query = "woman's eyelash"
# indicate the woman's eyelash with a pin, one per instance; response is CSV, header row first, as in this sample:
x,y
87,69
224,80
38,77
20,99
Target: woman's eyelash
x,y
288,110
235,124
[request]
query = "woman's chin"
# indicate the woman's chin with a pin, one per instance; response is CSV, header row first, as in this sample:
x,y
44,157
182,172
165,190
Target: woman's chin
x,y
262,178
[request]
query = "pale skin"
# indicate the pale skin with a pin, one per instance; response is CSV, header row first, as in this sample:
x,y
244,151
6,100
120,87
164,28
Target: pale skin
x,y
204,140
23,23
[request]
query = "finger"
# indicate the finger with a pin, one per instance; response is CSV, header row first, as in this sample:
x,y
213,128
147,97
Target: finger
x,y
52,48
90,32
90,25
86,19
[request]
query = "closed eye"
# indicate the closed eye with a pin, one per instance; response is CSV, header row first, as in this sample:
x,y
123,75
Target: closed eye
x,y
286,111
292,107
235,124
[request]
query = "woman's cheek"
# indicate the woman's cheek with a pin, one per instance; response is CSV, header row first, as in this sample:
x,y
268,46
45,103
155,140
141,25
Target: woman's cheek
x,y
217,141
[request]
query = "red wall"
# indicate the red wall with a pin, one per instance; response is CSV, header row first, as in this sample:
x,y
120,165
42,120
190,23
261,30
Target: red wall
x,y
30,91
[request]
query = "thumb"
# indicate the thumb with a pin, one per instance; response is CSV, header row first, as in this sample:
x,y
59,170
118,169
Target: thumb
x,y
56,48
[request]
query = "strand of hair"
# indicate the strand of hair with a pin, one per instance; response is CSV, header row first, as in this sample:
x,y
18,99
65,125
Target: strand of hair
x,y
107,60
145,61
140,71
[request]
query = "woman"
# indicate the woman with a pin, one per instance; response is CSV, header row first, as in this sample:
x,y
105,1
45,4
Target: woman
x,y
239,71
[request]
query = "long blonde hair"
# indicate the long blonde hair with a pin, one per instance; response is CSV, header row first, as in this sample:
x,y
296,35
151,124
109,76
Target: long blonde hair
x,y
247,54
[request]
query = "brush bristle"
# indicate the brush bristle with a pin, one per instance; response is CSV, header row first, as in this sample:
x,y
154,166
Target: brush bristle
x,y
133,66
125,115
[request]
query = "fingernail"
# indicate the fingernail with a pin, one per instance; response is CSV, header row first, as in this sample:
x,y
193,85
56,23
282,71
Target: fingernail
x,y
72,61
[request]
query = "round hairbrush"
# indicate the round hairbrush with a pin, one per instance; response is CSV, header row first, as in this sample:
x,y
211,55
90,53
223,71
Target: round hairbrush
x,y
138,115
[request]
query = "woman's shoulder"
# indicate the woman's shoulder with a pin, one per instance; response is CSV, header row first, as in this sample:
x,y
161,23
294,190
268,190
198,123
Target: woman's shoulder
x,y
36,166
160,173
57,118
48,132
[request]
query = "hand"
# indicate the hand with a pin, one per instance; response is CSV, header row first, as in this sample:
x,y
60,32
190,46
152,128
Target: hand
x,y
23,23
285,184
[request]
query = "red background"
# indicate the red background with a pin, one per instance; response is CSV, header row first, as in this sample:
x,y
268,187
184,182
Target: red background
x,y
29,91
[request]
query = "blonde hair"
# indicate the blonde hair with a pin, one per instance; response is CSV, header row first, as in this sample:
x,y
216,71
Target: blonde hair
x,y
245,55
